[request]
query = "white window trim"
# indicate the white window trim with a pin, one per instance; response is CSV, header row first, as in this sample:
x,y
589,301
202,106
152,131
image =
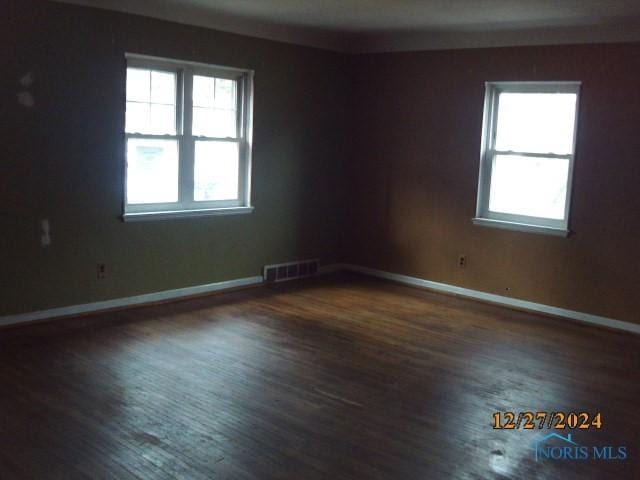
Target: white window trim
x,y
186,206
487,218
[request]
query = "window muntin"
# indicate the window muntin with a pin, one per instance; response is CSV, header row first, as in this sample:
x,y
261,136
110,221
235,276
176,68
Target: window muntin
x,y
188,136
527,153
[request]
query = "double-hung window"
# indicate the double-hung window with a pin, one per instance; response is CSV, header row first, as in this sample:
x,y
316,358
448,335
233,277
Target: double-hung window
x,y
528,147
188,139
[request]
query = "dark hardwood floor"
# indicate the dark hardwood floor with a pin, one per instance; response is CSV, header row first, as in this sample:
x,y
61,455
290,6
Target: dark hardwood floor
x,y
340,377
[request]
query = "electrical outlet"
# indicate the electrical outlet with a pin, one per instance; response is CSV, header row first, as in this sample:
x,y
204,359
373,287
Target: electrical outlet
x,y
101,271
462,261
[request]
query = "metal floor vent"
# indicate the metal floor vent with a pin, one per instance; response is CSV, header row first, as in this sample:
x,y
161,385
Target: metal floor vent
x,y
288,271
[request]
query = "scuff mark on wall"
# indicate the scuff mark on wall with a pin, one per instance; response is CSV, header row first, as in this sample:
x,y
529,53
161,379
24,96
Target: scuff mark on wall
x,y
27,79
25,98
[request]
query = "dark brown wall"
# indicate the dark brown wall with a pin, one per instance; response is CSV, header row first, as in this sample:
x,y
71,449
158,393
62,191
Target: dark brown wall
x,y
418,120
62,159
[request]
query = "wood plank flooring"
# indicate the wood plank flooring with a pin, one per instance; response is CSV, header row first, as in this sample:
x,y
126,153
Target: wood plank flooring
x,y
341,377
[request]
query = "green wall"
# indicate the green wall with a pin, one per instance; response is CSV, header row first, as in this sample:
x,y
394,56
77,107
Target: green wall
x,y
62,159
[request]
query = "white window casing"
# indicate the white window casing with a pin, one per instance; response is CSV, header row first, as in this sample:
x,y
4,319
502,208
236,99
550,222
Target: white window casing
x,y
556,224
186,204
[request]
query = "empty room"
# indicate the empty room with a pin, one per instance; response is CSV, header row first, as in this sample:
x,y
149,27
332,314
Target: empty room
x,y
301,239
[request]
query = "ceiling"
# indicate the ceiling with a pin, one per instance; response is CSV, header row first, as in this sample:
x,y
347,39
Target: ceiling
x,y
391,25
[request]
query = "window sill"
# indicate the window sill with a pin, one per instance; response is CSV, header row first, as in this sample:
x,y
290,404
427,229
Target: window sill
x,y
521,227
167,215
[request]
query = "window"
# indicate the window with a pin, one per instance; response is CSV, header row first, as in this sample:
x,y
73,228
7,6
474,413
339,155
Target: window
x,y
188,139
526,164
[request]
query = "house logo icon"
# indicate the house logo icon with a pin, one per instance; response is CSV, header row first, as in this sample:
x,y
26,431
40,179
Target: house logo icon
x,y
557,447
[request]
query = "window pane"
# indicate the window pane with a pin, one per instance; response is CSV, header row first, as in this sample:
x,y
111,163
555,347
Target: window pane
x,y
202,91
531,186
163,119
536,122
151,98
163,87
137,117
214,107
224,123
216,171
225,93
214,122
202,120
152,170
138,85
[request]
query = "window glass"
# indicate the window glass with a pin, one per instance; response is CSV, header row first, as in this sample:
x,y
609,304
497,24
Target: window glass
x,y
163,88
216,171
536,122
138,85
532,186
214,107
152,170
151,102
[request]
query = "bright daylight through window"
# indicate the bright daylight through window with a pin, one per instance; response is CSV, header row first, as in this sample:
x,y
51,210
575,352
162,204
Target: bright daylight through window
x,y
188,139
527,156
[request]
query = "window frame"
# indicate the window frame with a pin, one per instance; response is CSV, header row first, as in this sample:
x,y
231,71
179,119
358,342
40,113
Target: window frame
x,y
488,152
186,206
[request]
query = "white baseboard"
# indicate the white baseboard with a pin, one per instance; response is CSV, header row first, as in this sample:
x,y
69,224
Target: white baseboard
x,y
146,298
498,299
178,293
128,301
